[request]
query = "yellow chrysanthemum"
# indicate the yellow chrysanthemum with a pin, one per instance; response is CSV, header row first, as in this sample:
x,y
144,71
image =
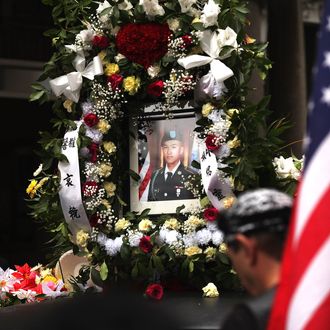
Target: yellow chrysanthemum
x,y
104,170
172,224
192,250
131,84
109,147
122,224
67,104
111,68
210,290
103,126
81,238
206,109
145,225
31,189
110,188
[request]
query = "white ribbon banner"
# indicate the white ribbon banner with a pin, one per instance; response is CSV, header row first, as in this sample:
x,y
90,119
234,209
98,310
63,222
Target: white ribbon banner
x,y
70,84
217,188
209,45
70,191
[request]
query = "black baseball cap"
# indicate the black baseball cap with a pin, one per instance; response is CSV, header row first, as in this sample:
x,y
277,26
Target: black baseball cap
x,y
259,210
171,135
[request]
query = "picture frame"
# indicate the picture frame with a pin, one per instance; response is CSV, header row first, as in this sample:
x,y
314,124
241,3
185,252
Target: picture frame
x,y
147,159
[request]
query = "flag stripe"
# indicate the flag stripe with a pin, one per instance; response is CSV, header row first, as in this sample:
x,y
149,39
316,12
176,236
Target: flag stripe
x,y
314,287
320,319
318,171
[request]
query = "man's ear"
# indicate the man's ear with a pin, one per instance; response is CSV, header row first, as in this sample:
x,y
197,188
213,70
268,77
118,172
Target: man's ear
x,y
249,247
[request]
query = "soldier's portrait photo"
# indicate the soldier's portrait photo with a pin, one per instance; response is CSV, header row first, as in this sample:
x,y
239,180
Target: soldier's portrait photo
x,y
165,150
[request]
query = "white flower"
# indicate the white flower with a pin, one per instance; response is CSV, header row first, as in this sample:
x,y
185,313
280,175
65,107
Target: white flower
x,y
102,6
7,280
125,5
189,240
94,134
217,237
211,226
210,290
38,171
119,57
152,8
285,168
210,14
173,24
112,246
134,238
153,71
226,37
168,236
101,239
29,295
203,236
186,5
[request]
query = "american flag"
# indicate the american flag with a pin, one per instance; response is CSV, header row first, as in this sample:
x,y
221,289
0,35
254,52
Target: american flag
x,y
303,297
145,170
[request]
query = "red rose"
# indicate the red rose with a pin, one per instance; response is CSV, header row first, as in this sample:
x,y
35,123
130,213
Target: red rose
x,y
90,188
93,220
156,88
100,42
154,291
91,119
187,39
143,43
211,142
115,80
211,213
145,244
93,150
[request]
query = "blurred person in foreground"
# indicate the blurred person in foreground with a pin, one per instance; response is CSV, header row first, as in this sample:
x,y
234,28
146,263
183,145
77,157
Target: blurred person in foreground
x,y
255,230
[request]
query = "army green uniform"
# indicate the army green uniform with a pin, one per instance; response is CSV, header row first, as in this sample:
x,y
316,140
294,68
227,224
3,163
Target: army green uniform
x,y
170,189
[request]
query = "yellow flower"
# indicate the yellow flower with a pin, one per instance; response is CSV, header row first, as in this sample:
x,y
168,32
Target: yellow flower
x,y
145,225
103,126
193,222
109,147
102,54
111,68
46,272
81,238
228,202
49,278
104,170
210,253
230,112
192,250
67,104
234,143
249,40
131,84
110,188
122,224
31,189
210,290
106,203
196,20
172,224
223,248
206,109
41,182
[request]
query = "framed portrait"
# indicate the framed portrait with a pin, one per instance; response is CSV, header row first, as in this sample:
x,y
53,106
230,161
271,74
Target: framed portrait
x,y
161,154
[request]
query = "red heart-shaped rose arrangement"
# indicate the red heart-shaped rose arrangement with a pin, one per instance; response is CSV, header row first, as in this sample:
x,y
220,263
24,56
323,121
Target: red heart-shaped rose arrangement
x,y
143,43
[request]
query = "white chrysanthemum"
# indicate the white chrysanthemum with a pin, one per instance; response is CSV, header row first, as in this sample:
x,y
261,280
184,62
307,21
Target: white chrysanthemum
x,y
210,14
152,8
189,240
217,237
212,226
87,107
203,236
134,238
94,134
112,246
169,236
186,5
101,239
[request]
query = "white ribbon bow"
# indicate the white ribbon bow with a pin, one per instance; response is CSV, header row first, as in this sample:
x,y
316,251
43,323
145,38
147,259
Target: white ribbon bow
x,y
70,84
210,46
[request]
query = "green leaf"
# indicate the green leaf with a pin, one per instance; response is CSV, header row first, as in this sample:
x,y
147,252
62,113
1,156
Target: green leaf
x,y
195,164
104,271
36,96
96,278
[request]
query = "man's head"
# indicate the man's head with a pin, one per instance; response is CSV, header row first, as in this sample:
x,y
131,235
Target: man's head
x,y
172,147
255,230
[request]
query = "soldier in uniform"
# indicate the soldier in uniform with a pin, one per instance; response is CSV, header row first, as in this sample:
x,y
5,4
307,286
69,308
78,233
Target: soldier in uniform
x,y
167,183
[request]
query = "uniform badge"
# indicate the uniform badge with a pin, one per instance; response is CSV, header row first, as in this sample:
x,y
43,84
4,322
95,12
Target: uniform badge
x,y
178,192
179,172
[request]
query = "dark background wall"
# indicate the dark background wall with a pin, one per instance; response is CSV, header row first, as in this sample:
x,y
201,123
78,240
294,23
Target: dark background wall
x,y
23,50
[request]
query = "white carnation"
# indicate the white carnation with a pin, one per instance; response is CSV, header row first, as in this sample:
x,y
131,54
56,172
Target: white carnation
x,y
101,239
189,240
217,237
94,134
134,238
203,236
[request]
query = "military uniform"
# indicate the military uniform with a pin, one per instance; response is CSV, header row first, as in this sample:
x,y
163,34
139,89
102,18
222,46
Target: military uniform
x,y
170,189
